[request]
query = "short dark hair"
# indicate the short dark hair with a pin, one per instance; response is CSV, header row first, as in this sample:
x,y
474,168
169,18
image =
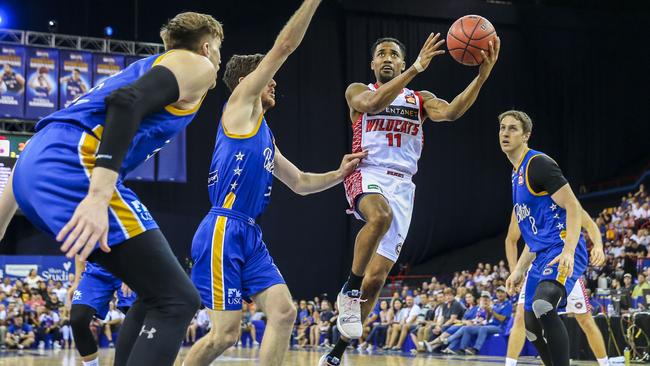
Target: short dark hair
x,y
239,66
522,117
401,45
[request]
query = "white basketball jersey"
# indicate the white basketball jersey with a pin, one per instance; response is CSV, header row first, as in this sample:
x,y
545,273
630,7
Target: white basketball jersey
x,y
394,136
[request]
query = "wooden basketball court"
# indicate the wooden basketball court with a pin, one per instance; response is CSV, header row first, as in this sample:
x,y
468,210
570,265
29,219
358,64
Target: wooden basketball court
x,y
246,357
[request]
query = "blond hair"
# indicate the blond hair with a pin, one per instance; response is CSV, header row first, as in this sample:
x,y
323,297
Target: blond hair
x,y
188,30
522,117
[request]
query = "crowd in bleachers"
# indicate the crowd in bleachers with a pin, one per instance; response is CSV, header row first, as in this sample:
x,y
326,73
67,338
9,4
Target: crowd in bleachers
x,y
35,312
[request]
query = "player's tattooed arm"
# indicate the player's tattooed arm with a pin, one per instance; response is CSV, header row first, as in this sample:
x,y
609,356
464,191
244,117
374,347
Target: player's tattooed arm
x,y
304,183
439,110
362,100
8,206
511,242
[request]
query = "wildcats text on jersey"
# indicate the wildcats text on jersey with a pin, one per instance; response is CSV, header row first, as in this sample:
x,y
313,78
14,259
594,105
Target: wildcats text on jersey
x,y
392,125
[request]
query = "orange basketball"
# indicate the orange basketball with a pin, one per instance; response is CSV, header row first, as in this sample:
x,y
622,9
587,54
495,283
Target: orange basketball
x,y
467,37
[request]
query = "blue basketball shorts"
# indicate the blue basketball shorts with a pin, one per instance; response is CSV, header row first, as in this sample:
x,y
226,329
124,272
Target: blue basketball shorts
x,y
96,290
540,271
52,176
231,262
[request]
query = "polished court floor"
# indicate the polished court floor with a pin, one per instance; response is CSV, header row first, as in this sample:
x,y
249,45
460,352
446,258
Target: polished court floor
x,y
245,357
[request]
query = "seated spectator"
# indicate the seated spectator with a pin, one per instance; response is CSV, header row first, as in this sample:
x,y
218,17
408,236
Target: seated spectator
x,y
406,324
398,315
377,334
19,335
33,279
48,324
112,322
323,326
306,321
474,315
637,293
66,329
6,286
247,326
452,311
367,326
499,312
60,291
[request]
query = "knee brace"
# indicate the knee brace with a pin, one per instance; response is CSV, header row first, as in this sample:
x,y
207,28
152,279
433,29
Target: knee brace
x,y
547,297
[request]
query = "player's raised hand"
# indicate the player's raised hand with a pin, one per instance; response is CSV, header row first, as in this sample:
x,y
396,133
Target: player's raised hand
x,y
350,162
126,290
514,282
597,256
429,51
565,263
88,225
490,58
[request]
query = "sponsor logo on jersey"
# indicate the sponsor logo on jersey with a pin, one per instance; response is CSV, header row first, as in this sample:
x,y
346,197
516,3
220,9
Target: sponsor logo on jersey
x,y
520,180
213,177
399,111
398,248
374,187
269,163
76,296
578,305
410,99
547,271
141,210
234,296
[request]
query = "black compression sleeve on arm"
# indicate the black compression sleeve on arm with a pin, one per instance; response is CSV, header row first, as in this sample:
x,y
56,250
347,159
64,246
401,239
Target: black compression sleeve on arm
x,y
125,109
545,175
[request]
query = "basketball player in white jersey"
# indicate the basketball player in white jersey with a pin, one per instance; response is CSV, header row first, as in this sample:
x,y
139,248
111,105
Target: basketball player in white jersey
x,y
577,302
387,120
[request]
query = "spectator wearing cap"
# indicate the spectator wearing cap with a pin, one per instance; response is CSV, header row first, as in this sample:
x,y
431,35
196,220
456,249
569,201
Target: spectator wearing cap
x,y
498,313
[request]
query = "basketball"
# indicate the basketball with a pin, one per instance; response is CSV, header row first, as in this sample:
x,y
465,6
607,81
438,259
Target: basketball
x,y
467,37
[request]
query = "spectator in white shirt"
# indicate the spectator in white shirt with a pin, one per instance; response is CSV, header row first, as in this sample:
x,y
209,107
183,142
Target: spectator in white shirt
x,y
407,322
111,322
6,286
33,279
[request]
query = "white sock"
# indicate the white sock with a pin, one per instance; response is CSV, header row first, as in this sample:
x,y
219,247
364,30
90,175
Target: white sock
x,y
603,361
94,362
511,362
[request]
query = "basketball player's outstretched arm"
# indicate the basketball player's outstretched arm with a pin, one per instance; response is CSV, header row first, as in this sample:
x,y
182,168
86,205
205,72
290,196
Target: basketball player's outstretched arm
x,y
363,100
597,255
511,242
439,110
244,105
307,183
8,206
180,79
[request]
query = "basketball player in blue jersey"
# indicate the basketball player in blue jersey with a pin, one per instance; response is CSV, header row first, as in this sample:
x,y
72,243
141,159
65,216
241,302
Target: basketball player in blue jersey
x,y
549,218
231,262
69,181
90,294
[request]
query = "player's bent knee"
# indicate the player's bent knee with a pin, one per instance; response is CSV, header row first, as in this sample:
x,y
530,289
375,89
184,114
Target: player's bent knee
x,y
381,217
285,315
546,294
541,307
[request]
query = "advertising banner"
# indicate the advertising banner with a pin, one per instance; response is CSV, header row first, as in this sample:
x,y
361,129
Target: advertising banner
x,y
105,66
76,76
12,83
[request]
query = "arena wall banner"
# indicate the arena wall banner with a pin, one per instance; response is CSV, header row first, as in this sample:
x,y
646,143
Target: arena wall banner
x,y
76,75
42,97
172,165
145,172
105,66
12,83
50,267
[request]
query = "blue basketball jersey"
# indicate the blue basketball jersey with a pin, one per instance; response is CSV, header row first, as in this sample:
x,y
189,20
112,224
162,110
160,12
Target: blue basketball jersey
x,y
541,221
97,270
73,87
241,172
155,129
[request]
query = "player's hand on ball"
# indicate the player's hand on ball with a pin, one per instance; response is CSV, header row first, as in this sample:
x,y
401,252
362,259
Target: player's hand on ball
x,y
565,263
429,51
514,282
88,225
489,58
597,256
350,163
